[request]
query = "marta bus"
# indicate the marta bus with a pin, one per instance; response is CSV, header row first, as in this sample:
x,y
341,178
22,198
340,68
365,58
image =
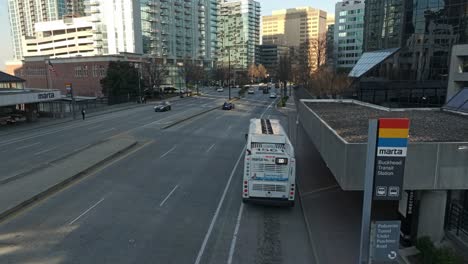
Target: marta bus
x,y
269,165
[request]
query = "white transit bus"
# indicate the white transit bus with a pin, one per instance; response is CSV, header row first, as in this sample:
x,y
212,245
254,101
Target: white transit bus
x,y
269,165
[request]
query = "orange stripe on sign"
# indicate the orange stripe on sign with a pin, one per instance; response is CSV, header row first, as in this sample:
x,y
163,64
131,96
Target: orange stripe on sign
x,y
394,123
393,133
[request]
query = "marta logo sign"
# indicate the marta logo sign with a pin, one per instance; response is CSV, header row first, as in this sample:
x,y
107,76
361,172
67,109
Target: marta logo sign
x,y
392,143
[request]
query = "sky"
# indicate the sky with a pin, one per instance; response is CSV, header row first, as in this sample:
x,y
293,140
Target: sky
x,y
6,48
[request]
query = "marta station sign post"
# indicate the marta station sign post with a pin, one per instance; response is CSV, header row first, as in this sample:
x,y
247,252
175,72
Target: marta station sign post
x,y
385,166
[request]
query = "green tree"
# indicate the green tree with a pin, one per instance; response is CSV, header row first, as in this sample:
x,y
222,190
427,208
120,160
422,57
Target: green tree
x,y
121,82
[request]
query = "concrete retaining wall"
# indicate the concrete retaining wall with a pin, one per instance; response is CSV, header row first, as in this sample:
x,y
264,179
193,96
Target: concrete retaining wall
x,y
429,166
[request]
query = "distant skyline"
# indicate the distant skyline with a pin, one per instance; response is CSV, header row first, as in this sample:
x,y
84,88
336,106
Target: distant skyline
x,y
6,50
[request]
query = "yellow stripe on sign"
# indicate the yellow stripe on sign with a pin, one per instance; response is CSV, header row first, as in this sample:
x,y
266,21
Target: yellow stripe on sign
x,y
393,133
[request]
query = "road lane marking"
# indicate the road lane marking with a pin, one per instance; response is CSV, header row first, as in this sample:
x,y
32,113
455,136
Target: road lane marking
x,y
267,108
93,127
27,146
234,236
82,148
106,130
85,212
169,195
158,121
320,190
218,209
44,151
169,151
218,117
208,150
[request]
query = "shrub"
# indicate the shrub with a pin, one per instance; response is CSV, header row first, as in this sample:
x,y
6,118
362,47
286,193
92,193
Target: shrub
x,y
432,255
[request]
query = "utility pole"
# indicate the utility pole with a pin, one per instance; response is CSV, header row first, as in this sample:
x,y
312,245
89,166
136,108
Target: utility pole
x,y
229,72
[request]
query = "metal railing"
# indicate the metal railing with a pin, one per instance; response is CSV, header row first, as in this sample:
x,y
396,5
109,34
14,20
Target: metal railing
x,y
458,219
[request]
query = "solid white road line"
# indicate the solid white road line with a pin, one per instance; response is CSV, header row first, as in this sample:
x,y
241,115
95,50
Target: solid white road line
x,y
167,197
234,236
261,116
85,212
106,130
44,151
208,150
27,146
169,151
218,209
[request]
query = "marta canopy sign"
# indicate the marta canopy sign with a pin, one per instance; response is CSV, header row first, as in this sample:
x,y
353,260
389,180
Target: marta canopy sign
x,y
390,158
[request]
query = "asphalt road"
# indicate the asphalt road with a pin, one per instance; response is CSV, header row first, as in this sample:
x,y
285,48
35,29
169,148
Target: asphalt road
x,y
175,199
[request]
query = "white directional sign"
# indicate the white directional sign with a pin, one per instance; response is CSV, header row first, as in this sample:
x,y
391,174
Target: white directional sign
x,y
385,241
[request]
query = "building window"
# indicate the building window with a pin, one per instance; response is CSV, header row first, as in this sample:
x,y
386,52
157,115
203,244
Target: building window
x,y
342,20
102,71
343,13
342,34
464,65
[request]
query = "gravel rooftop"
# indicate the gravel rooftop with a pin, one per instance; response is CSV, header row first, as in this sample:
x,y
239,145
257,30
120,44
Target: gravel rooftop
x,y
351,122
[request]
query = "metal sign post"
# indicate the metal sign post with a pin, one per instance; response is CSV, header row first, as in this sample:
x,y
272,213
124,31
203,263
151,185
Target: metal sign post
x,y
69,88
385,163
368,186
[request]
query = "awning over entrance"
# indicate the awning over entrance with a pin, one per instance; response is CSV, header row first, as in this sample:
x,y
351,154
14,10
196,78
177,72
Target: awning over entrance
x,y
369,60
27,96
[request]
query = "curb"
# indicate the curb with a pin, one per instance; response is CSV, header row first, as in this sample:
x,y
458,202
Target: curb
x,y
309,232
49,163
189,117
61,185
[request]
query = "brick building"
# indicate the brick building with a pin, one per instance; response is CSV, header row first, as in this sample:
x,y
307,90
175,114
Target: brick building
x,y
84,73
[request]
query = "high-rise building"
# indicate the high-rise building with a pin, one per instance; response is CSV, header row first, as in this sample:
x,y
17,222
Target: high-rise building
x,y
349,30
293,27
24,14
118,27
298,27
269,56
180,29
407,47
239,32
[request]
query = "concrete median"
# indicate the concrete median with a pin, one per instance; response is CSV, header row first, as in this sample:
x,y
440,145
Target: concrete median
x,y
38,185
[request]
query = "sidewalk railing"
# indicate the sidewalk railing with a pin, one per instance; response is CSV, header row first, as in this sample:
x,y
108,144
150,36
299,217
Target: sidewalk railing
x,y
458,219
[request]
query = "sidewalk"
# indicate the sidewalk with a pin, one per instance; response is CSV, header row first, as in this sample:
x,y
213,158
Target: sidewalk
x,y
46,122
22,192
333,216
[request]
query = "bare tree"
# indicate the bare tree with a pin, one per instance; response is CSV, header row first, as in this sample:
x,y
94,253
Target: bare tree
x,y
317,49
327,83
155,74
262,71
252,72
284,72
220,73
193,72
